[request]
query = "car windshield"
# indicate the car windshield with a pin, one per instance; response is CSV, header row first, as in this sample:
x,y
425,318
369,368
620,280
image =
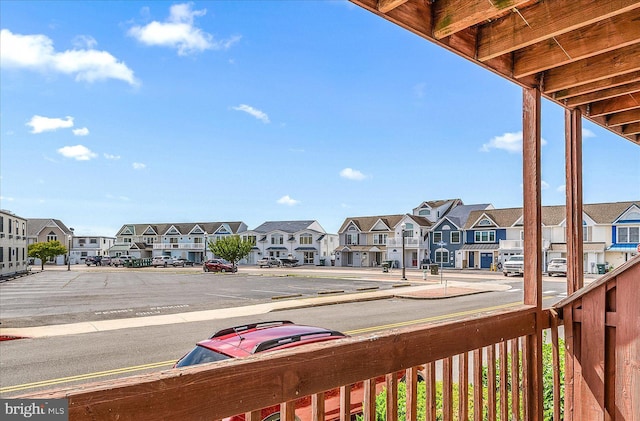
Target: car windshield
x,y
516,258
558,261
201,355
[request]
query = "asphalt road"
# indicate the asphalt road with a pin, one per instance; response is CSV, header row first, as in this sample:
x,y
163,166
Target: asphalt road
x,y
28,365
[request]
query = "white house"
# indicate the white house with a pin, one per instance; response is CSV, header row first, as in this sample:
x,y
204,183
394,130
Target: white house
x,y
13,244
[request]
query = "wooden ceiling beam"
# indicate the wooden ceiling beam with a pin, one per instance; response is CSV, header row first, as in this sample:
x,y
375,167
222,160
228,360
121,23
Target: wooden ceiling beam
x,y
615,105
616,32
604,66
617,91
385,6
451,16
631,129
543,21
625,117
587,88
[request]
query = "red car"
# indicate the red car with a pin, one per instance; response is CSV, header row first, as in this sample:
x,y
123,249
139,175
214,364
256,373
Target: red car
x,y
241,341
218,265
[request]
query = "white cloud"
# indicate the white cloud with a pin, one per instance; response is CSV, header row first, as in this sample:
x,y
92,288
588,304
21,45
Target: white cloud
x,y
587,133
6,199
112,157
286,200
562,188
81,132
510,142
351,174
84,41
78,152
139,166
260,115
36,52
544,185
41,124
179,32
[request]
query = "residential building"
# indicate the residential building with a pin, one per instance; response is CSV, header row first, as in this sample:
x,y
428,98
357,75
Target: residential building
x,y
13,244
413,231
47,229
446,239
434,210
363,240
305,241
89,246
187,240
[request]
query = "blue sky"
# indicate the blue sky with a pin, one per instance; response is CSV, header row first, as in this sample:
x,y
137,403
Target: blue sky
x,y
121,112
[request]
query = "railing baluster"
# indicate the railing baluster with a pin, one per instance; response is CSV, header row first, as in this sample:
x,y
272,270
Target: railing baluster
x,y
392,396
477,385
556,364
317,407
288,411
253,416
515,379
430,386
504,376
463,386
369,400
411,375
491,383
447,389
345,403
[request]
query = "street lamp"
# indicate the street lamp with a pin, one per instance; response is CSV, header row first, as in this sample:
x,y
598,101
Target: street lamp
x,y
402,227
204,252
441,244
69,251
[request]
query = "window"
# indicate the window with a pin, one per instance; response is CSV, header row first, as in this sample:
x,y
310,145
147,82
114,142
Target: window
x,y
306,239
250,238
437,237
81,241
351,239
52,236
151,240
485,221
455,237
628,234
586,234
2,254
93,241
485,236
308,257
277,239
442,256
424,212
380,239
173,240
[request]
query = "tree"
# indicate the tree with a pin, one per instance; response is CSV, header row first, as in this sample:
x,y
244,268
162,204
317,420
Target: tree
x,y
45,251
231,248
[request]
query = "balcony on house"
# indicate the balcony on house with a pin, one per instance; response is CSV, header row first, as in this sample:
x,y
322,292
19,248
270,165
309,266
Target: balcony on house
x,y
410,242
519,244
178,246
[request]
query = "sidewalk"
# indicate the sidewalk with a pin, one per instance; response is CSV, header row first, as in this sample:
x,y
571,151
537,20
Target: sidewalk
x,y
431,290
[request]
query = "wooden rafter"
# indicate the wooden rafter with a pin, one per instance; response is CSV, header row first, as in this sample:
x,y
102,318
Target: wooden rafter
x,y
616,105
629,88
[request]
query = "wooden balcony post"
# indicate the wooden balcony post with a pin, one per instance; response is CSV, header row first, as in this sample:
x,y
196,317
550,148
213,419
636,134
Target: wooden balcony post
x,y
573,174
532,204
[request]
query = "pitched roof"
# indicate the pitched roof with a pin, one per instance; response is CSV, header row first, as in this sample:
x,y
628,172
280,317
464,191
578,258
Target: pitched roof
x,y
459,214
286,226
366,223
183,227
36,225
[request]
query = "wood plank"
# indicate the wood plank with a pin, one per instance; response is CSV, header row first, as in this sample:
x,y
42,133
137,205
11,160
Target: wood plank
x,y
447,389
451,16
601,67
369,400
607,35
627,379
555,345
477,386
391,384
463,386
288,411
515,379
253,416
540,22
430,384
631,129
504,376
317,407
385,6
622,103
574,207
345,403
569,362
590,384
491,383
595,87
613,92
626,117
411,380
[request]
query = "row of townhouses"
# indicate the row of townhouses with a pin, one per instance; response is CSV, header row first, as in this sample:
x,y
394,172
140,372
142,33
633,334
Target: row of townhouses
x,y
444,232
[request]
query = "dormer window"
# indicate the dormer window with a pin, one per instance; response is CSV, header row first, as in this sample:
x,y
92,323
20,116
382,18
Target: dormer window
x,y
485,222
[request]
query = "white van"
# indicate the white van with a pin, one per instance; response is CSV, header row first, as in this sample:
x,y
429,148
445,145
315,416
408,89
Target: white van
x,y
162,261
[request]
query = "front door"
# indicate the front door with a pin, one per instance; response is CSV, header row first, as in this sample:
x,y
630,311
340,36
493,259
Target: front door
x,y
485,260
472,263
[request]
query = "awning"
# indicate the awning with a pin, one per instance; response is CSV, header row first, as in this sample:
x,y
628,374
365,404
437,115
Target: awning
x,y
120,247
479,247
277,248
625,248
586,247
306,249
355,248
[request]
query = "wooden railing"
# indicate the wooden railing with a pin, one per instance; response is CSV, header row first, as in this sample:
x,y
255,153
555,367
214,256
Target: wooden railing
x,y
346,374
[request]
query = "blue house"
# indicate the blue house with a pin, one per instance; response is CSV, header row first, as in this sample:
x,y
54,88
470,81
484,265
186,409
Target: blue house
x,y
447,236
483,232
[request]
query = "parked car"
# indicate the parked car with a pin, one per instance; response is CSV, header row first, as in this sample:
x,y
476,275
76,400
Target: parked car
x,y
121,260
269,261
163,261
246,340
179,262
98,260
218,265
557,266
515,265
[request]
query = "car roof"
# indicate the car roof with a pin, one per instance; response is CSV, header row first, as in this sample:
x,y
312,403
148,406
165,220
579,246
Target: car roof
x,y
249,339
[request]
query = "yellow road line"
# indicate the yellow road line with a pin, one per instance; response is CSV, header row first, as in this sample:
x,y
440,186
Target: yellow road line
x,y
89,376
